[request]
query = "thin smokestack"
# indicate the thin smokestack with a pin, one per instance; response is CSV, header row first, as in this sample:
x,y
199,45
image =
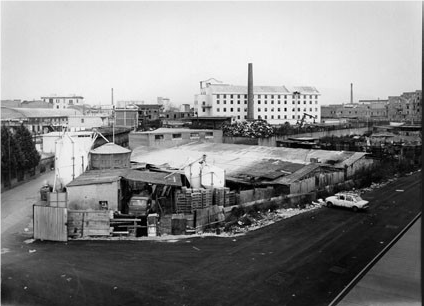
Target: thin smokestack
x,y
250,115
351,93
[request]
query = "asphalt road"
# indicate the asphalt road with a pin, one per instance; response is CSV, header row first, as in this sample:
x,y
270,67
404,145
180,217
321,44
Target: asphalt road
x,y
303,260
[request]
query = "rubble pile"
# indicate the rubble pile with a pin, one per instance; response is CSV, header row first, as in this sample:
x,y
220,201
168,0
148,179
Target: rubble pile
x,y
257,219
251,129
377,185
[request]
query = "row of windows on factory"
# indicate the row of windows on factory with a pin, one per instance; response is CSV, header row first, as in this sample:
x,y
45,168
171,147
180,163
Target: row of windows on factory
x,y
272,117
265,109
265,96
265,102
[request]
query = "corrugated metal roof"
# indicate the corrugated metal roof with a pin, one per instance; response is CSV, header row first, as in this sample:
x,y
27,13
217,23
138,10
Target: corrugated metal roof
x,y
110,148
298,174
351,160
98,177
230,157
269,169
154,177
91,177
39,112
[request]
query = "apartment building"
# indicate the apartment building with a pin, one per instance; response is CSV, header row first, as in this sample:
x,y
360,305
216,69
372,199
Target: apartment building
x,y
62,102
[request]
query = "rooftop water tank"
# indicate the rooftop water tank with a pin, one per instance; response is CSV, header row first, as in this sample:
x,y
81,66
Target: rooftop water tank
x,y
110,156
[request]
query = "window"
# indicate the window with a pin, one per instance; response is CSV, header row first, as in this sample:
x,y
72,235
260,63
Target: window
x,y
272,109
194,136
245,96
225,101
176,136
272,96
231,101
238,96
231,109
217,96
298,109
285,102
278,117
217,101
266,96
265,102
238,117
316,109
203,103
238,109
285,116
304,102
217,109
278,97
310,102
285,109
245,102
203,110
238,101
231,96
245,110
294,102
310,109
278,109
82,120
266,117
259,101
209,135
57,106
245,117
266,109
259,109
225,96
225,109
158,137
259,96
272,116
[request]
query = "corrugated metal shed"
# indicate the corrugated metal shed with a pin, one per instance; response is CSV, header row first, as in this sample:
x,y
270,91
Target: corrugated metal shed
x,y
39,112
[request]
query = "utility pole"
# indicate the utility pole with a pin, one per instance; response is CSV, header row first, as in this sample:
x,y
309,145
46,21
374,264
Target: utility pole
x,y
113,123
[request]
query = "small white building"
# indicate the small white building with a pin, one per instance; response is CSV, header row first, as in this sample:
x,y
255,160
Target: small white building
x,y
81,122
61,102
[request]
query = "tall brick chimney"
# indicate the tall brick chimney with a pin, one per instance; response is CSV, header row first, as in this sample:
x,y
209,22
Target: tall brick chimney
x,y
250,114
351,93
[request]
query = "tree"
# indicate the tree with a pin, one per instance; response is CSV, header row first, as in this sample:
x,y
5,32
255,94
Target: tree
x,y
11,154
31,158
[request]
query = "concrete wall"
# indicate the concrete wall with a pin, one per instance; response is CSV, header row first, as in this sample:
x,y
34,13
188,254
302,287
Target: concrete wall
x,y
170,140
271,142
87,197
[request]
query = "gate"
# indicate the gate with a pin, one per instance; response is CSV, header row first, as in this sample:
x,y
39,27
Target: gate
x,y
50,223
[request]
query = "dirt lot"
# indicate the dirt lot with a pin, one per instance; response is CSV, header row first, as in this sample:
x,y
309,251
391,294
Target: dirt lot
x,y
303,260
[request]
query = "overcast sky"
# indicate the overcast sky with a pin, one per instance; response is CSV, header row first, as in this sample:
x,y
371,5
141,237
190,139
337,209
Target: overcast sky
x,y
149,49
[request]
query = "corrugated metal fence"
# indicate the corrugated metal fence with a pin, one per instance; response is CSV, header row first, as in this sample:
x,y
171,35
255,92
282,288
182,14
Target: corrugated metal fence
x,y
50,223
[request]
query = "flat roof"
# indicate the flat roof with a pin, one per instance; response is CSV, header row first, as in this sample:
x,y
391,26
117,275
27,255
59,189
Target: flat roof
x,y
237,159
173,131
92,177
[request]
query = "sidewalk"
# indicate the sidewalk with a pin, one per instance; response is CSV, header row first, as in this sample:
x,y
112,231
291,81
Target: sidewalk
x,y
395,279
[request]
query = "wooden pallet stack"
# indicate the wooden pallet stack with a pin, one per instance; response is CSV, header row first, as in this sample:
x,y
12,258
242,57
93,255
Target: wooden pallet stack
x,y
196,198
207,197
221,196
183,201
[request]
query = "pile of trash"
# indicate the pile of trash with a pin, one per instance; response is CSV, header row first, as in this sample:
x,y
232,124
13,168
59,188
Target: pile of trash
x,y
377,185
257,219
252,129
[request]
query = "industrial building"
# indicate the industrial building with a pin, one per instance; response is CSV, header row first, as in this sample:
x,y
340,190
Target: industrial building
x,y
275,104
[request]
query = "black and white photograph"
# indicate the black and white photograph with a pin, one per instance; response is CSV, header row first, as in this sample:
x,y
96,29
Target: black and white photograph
x,y
211,153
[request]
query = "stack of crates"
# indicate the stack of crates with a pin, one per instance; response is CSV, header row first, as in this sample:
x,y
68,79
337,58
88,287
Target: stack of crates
x,y
196,198
207,197
183,203
231,198
221,196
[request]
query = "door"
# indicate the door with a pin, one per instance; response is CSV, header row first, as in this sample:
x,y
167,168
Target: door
x,y
50,223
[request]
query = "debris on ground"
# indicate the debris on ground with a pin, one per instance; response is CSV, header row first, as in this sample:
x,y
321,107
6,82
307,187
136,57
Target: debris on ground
x,y
28,241
32,251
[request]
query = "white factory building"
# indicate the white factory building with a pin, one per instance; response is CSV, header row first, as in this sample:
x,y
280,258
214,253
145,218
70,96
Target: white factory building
x,y
275,104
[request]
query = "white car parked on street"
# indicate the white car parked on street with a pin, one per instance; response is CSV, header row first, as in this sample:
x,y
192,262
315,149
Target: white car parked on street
x,y
347,199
